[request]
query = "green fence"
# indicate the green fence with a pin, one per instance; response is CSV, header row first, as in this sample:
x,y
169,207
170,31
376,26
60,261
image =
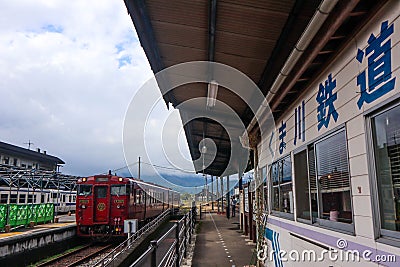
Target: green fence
x,y
17,215
3,215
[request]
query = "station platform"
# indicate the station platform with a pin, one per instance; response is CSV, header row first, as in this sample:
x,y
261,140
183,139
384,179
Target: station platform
x,y
220,242
63,221
37,241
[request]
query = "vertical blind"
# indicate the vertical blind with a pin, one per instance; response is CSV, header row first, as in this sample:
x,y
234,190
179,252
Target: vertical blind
x,y
332,163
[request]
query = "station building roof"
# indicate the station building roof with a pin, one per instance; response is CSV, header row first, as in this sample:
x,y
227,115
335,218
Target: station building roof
x,y
20,152
281,45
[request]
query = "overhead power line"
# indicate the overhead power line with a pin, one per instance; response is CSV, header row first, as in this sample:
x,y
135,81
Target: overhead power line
x,y
153,165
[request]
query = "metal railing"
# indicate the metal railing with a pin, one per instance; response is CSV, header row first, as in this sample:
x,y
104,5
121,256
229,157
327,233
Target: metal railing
x,y
170,249
109,259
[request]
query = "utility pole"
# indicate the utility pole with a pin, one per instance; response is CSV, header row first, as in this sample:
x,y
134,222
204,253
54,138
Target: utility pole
x,y
139,170
228,198
212,192
203,152
206,189
241,198
222,193
218,195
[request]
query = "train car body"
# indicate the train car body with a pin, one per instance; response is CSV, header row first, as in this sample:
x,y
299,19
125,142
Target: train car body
x,y
104,202
64,200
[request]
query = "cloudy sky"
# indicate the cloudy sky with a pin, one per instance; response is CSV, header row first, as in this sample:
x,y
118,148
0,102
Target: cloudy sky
x,y
68,71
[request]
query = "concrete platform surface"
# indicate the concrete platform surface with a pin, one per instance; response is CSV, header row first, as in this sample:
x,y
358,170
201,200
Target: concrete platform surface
x,y
64,221
220,243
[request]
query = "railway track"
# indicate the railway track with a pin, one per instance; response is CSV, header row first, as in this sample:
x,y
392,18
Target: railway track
x,y
80,257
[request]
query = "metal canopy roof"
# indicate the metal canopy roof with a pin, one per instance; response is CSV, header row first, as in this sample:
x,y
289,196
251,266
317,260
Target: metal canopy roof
x,y
255,37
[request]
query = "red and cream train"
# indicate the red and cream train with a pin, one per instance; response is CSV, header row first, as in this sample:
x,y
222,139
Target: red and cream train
x,y
104,201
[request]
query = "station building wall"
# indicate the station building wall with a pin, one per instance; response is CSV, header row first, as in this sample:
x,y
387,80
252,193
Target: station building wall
x,y
333,170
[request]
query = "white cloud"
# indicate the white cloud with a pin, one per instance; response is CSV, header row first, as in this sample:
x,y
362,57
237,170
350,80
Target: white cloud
x,y
68,71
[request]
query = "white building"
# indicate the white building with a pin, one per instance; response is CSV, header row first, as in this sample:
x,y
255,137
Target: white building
x,y
11,155
328,72
335,177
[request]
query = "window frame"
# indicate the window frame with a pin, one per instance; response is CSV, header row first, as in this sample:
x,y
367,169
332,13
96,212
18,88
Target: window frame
x,y
13,198
119,186
333,226
30,199
98,192
80,193
4,198
273,212
380,234
306,150
347,228
266,189
22,196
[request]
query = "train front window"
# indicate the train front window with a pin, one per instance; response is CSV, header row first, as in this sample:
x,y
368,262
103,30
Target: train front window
x,y
119,190
100,191
84,190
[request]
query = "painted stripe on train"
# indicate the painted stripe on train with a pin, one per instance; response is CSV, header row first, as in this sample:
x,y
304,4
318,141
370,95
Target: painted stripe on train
x,y
332,240
66,204
2,189
14,190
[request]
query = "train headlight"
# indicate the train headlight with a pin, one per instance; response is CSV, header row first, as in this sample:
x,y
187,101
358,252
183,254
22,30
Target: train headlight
x,y
83,206
84,179
120,179
118,206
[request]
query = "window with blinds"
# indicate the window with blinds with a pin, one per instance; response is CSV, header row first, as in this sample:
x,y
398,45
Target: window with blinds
x,y
332,169
311,169
323,187
332,164
313,182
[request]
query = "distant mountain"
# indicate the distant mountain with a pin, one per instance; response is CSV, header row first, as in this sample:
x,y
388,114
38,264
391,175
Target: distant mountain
x,y
190,183
185,180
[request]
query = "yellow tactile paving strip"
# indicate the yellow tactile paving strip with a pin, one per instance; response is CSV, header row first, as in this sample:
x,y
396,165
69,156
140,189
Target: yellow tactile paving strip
x,y
10,234
36,228
55,225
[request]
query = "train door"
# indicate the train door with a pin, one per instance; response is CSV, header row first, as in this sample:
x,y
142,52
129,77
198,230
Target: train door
x,y
101,205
